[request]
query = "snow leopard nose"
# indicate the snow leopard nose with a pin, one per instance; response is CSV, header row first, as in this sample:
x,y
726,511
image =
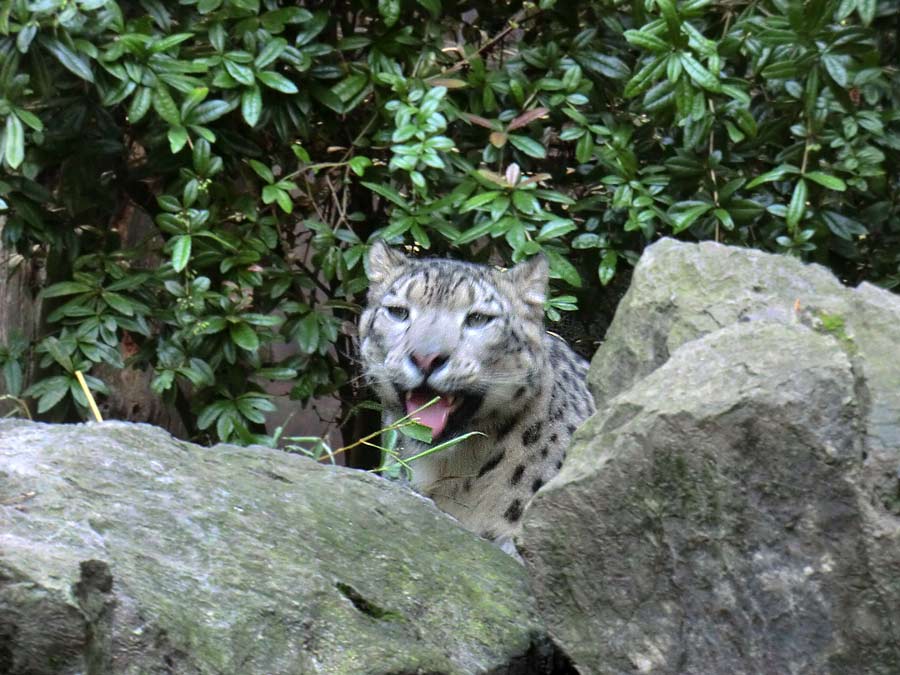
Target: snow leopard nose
x,y
428,363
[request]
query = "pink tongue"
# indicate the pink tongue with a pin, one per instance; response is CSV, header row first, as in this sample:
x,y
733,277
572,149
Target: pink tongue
x,y
434,416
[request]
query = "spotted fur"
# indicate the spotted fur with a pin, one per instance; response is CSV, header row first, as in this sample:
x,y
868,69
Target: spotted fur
x,y
521,387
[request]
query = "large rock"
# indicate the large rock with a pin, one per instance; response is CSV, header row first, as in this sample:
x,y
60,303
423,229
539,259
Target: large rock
x,y
124,551
680,292
733,506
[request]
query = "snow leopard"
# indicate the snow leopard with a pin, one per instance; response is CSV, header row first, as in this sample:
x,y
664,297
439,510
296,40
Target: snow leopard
x,y
473,335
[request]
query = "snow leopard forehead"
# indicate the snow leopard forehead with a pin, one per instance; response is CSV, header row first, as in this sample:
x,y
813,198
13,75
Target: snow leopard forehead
x,y
449,284
452,283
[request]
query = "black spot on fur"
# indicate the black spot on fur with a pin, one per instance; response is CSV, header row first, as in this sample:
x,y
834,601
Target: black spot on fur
x,y
520,392
491,464
514,511
571,428
489,535
544,451
532,433
503,432
559,464
554,437
536,485
517,475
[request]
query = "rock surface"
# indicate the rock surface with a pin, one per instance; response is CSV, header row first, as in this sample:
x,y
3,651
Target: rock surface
x,y
125,551
733,507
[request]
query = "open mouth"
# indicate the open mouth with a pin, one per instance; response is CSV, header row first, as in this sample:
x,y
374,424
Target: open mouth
x,y
445,413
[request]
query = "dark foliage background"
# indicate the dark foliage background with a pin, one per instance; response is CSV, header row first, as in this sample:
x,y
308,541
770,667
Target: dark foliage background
x,y
271,141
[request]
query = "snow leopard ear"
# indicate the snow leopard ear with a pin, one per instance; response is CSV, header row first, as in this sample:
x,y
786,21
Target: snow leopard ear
x,y
530,278
383,263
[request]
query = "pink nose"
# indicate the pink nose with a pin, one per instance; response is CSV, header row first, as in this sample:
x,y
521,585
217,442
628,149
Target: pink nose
x,y
428,363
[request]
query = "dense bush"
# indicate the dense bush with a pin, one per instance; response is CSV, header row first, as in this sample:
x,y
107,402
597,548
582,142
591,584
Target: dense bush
x,y
270,142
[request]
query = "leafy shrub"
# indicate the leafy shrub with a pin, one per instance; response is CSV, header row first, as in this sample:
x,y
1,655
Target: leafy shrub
x,y
270,142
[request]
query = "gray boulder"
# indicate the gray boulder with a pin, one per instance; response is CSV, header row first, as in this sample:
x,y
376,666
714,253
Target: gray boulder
x,y
125,551
733,506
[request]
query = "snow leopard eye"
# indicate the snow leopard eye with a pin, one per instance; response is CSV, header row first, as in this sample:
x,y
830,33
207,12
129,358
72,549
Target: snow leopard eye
x,y
478,320
397,312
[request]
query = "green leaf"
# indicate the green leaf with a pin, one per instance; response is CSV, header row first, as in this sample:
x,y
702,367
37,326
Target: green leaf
x,y
499,206
834,64
178,138
244,336
277,82
826,180
270,52
240,72
479,200
685,213
181,251
307,333
560,268
842,226
528,145
555,229
12,376
587,240
416,431
284,201
169,42
725,218
165,106
584,149
780,70
277,373
646,40
65,288
475,232
353,42
607,268
30,119
433,7
777,173
262,171
58,352
73,62
673,22
209,111
699,74
140,104
604,64
389,11
798,204
25,36
359,164
53,393
14,141
866,10
387,192
211,412
251,105
350,87
526,202
643,79
118,302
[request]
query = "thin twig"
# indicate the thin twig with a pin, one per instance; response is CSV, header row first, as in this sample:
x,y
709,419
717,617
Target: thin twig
x,y
512,24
